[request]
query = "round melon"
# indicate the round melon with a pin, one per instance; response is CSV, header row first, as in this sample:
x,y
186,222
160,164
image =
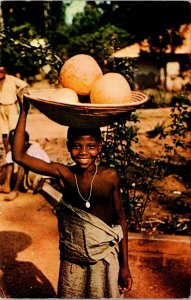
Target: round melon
x,y
111,88
64,95
79,73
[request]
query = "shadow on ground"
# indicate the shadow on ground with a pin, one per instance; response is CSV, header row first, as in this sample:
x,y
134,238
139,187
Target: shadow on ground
x,y
20,279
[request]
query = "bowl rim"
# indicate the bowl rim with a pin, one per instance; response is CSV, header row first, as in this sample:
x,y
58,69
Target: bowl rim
x,y
138,96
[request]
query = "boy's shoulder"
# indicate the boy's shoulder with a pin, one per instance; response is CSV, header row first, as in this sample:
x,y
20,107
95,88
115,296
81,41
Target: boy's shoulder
x,y
108,171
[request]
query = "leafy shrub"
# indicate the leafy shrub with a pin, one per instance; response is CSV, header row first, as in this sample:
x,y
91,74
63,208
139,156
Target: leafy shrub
x,y
156,98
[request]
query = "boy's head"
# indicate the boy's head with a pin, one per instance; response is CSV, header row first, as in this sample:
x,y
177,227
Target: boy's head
x,y
84,145
74,133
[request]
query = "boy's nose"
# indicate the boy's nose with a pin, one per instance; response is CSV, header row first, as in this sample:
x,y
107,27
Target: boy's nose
x,y
83,150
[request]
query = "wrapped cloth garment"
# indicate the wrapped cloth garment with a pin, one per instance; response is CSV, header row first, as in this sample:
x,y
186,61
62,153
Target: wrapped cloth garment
x,y
89,265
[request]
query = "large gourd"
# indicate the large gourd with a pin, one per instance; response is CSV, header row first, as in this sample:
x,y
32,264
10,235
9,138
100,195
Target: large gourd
x,y
64,95
79,73
111,88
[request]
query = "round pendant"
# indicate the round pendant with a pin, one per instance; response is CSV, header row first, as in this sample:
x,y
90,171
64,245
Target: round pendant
x,y
87,204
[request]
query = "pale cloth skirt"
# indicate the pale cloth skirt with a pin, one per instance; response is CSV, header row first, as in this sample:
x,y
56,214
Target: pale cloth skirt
x,y
91,281
89,265
8,117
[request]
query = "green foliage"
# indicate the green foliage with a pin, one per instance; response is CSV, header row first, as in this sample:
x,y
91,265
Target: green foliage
x,y
153,16
181,123
26,50
26,53
167,225
156,98
157,131
87,21
181,115
125,66
91,31
97,43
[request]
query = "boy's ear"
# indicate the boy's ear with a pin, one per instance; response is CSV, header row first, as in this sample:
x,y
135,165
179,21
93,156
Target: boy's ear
x,y
100,146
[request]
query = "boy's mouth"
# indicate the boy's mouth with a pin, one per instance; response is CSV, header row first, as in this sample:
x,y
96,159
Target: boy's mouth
x,y
83,160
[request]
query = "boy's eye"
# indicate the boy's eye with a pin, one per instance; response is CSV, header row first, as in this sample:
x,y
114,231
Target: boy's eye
x,y
91,146
76,146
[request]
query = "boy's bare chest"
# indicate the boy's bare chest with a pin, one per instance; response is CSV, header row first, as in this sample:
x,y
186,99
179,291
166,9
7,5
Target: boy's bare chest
x,y
99,185
99,197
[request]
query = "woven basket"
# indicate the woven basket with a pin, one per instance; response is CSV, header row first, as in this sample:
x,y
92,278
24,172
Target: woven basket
x,y
82,114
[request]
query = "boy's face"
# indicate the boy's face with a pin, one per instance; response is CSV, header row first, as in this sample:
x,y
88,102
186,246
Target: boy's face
x,y
84,150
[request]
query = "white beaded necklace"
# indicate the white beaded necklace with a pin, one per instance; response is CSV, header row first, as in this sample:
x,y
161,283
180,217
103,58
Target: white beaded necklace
x,y
87,204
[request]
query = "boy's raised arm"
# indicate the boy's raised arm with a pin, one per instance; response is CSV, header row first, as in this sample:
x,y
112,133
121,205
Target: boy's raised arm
x,y
19,138
19,151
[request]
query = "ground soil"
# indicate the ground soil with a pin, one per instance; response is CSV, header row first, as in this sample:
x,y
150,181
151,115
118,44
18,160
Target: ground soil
x,y
29,238
30,256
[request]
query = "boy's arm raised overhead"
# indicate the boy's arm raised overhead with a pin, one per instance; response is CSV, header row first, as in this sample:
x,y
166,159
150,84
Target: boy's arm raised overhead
x,y
125,279
19,152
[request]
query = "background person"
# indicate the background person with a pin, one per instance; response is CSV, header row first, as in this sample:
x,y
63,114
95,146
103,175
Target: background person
x,y
17,178
9,87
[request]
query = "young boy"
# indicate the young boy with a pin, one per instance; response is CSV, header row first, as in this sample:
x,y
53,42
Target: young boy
x,y
91,221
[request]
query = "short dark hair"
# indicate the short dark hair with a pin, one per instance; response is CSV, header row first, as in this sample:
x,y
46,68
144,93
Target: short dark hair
x,y
75,132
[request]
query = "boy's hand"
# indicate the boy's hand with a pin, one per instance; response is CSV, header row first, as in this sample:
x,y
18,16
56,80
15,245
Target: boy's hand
x,y
125,280
23,103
